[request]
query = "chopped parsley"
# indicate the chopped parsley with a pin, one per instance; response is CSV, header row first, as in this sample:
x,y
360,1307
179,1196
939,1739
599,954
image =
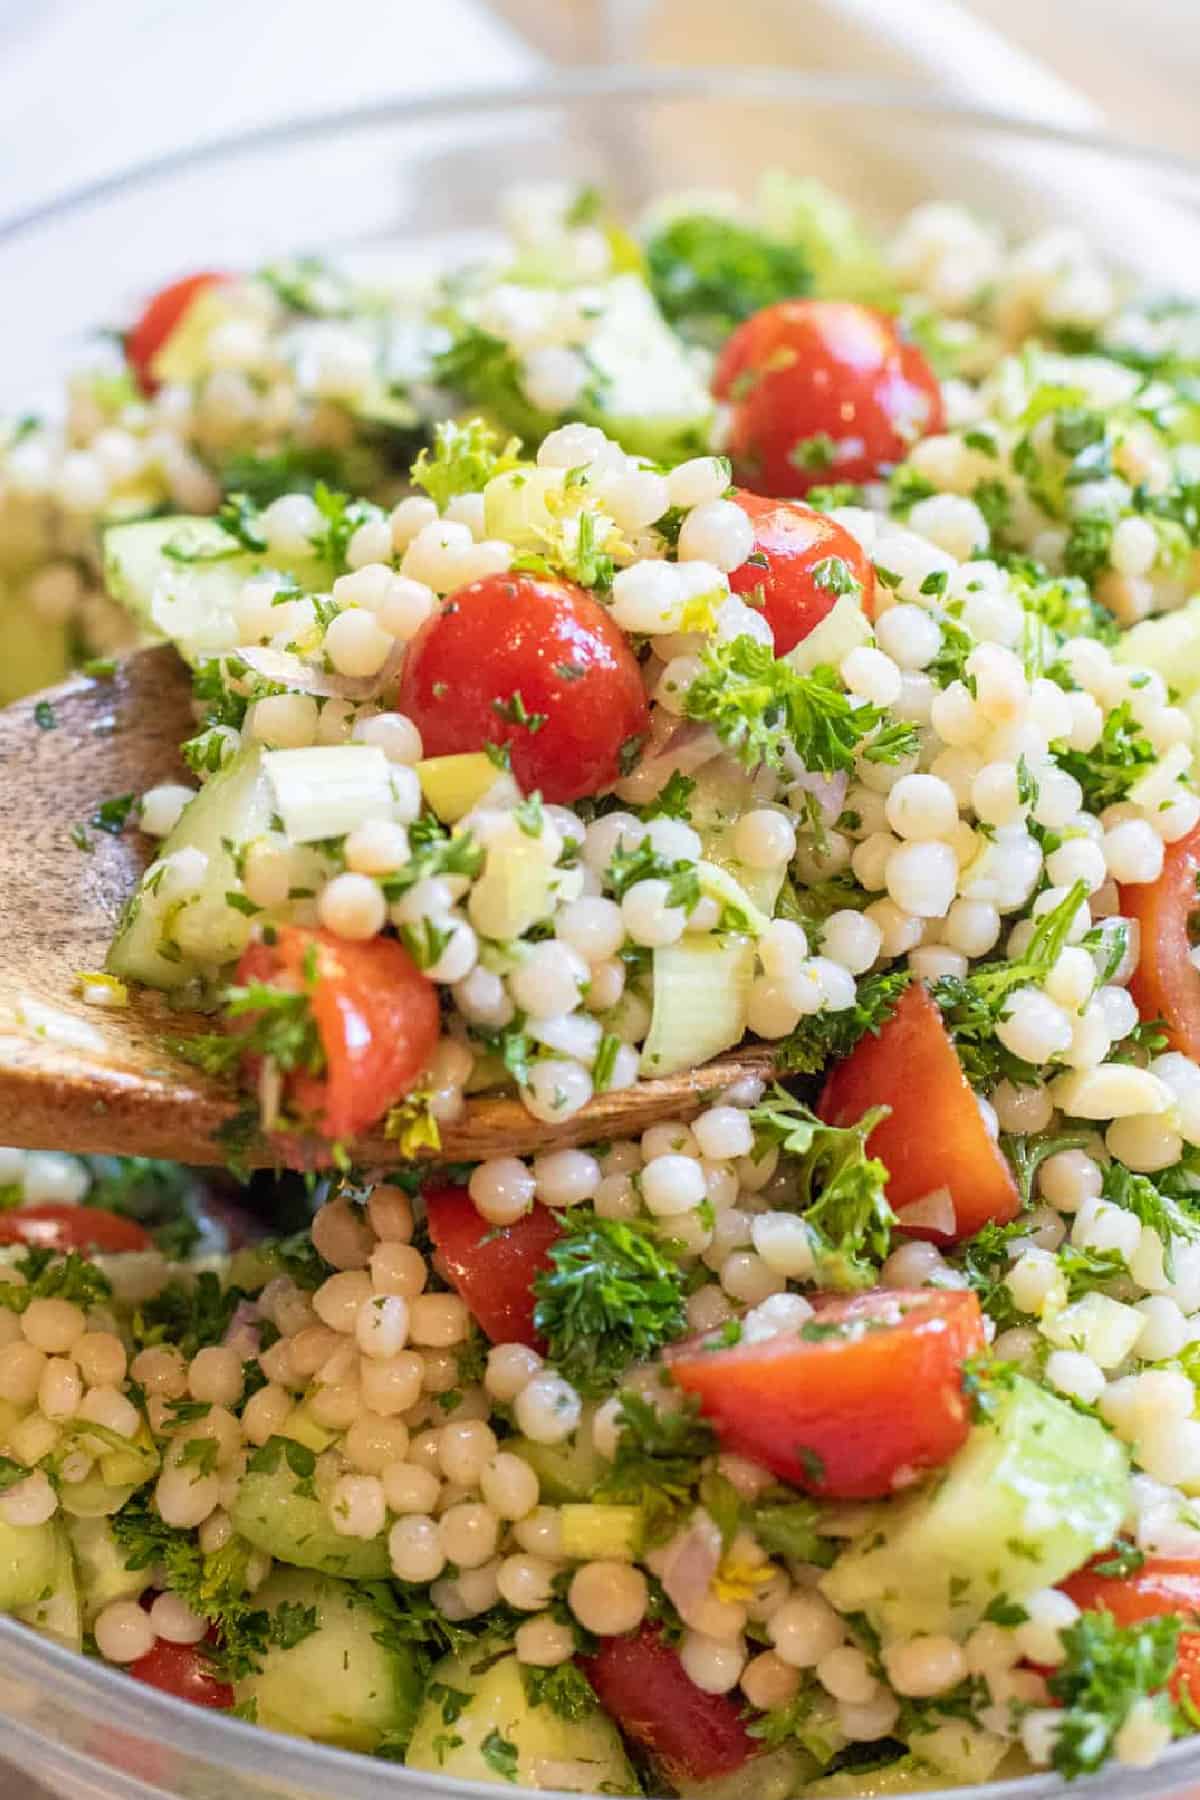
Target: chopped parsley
x,y
566,1690
464,459
826,1036
709,273
1108,771
611,1296
659,1462
838,1189
1108,1670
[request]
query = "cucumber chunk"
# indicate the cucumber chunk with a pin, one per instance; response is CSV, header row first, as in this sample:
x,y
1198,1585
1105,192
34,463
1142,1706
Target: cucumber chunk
x,y
190,603
167,939
338,1685
29,1563
1032,1494
646,391
274,1514
701,1000
100,1566
569,1471
772,1775
477,1724
56,1611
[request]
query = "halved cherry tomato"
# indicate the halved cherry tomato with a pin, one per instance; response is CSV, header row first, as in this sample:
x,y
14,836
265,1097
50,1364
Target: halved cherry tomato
x,y
1166,983
534,664
1162,1585
55,1225
822,391
158,319
376,1016
934,1137
857,1403
185,1671
792,540
641,1683
492,1266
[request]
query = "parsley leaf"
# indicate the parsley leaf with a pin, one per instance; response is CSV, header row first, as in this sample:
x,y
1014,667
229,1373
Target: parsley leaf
x,y
465,457
764,710
826,1036
1108,770
566,1690
659,1461
611,1297
834,1184
1108,1669
709,273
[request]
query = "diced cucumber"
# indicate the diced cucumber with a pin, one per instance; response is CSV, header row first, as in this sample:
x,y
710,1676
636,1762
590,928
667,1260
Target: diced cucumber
x,y
512,893
496,1733
723,792
326,790
230,809
1034,1492
772,1775
592,1532
515,506
29,1561
56,1612
339,1685
1103,1328
274,1514
567,1471
100,1565
701,1000
901,1777
1170,646
738,908
190,603
646,390
843,629
452,785
302,1428
183,356
959,1751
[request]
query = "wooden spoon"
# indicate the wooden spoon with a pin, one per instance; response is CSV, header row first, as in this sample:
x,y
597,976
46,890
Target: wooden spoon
x,y
79,1077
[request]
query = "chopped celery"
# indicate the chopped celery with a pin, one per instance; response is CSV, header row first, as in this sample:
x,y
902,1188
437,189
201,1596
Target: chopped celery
x,y
592,1532
843,629
326,790
701,999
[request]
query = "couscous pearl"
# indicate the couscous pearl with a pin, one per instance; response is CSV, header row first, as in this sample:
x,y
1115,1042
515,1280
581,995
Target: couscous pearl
x,y
648,917
544,1642
608,1597
767,1681
356,644
724,1132
509,1485
921,878
510,1367
871,675
547,1409
672,1184
550,980
695,483
395,735
1133,851
101,1358
415,1549
502,1189
925,1666
764,839
711,1664
846,1674
717,532
804,1629
566,1177
283,721
337,1301
439,1321
123,1632
852,940
357,1506
468,1533
920,807
526,1581
592,926
352,906
52,1325
215,1375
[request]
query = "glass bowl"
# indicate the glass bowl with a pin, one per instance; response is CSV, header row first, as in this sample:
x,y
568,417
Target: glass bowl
x,y
420,180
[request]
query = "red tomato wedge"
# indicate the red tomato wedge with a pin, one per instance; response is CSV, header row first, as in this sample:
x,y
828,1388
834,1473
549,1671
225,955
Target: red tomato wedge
x,y
1162,1585
866,1396
791,541
56,1225
822,391
492,1266
376,1016
934,1137
185,1671
691,1735
158,319
1166,983
534,664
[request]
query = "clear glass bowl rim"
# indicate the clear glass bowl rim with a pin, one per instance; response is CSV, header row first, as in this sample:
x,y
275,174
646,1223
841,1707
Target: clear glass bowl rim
x,y
231,1744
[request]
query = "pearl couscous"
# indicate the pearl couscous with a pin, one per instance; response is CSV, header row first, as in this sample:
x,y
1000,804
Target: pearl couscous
x,y
780,637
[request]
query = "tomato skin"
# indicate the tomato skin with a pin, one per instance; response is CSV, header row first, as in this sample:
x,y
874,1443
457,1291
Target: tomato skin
x,y
1166,983
1162,1585
158,319
805,369
934,1136
691,1735
56,1225
492,1267
848,1401
184,1671
376,1015
516,634
794,538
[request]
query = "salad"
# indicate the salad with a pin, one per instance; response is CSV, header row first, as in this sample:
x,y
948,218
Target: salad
x,y
722,628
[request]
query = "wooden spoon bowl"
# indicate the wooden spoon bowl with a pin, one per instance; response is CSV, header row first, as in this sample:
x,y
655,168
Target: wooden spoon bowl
x,y
84,1078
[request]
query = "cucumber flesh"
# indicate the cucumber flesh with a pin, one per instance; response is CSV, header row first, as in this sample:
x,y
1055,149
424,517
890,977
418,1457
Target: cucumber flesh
x,y
772,1775
294,1527
100,1566
29,1563
648,393
581,1755
338,1685
569,1471
1035,1491
701,1000
56,1612
166,941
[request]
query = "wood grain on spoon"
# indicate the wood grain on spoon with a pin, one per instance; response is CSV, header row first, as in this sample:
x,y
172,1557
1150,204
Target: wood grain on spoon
x,y
82,1078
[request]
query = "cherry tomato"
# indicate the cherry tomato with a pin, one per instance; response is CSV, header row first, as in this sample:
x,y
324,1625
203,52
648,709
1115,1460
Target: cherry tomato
x,y
492,1266
158,319
934,1136
1166,983
185,1671
791,541
55,1225
1162,1585
857,1403
376,1016
537,665
641,1683
822,391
